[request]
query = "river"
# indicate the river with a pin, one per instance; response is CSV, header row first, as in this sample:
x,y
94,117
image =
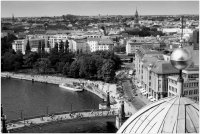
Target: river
x,y
21,98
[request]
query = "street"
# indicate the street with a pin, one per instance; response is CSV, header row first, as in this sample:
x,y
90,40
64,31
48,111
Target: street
x,y
128,91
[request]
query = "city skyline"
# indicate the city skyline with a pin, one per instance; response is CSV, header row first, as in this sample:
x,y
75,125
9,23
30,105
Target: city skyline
x,y
54,8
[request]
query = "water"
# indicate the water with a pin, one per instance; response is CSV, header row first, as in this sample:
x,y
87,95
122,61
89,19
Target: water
x,y
24,98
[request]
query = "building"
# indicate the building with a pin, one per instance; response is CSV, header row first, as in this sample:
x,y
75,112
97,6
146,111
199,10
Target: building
x,y
100,44
136,20
57,38
135,43
196,40
19,45
79,45
34,43
190,86
152,72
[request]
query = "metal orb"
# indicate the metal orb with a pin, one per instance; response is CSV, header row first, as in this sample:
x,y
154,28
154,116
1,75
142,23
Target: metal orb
x,y
181,58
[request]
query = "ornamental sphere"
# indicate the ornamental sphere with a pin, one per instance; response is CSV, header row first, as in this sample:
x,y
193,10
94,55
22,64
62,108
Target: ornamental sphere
x,y
181,58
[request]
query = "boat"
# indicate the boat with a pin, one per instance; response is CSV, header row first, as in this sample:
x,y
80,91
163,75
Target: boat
x,y
76,88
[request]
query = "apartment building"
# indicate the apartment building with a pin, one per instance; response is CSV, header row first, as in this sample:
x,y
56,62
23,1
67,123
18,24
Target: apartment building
x,y
190,86
152,72
79,45
100,44
57,39
34,43
135,43
19,45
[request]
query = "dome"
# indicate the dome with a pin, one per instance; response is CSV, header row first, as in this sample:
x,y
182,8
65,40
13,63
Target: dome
x,y
165,116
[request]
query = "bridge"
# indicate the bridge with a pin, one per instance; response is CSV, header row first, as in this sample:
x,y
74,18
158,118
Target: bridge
x,y
45,119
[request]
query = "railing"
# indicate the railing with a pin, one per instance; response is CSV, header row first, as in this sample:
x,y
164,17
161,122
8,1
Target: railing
x,y
37,120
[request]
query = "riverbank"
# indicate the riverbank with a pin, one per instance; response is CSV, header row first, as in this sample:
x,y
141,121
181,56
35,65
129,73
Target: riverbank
x,y
98,88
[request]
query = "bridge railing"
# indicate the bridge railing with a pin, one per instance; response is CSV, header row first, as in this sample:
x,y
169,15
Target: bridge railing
x,y
61,113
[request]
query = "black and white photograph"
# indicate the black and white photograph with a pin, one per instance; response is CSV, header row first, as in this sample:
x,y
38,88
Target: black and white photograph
x,y
100,66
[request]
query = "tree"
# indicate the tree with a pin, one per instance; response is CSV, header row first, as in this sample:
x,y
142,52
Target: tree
x,y
19,58
61,47
8,61
74,69
108,71
30,59
39,47
56,47
12,61
6,43
43,47
59,66
66,46
42,50
42,65
28,48
66,69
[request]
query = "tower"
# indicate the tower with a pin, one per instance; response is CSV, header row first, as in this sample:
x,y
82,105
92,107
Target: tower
x,y
136,20
13,18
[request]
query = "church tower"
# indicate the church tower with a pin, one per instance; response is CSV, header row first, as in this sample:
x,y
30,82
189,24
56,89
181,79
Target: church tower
x,y
136,20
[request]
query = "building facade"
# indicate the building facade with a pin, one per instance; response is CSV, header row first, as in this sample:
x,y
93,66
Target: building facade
x,y
152,72
190,86
100,44
19,45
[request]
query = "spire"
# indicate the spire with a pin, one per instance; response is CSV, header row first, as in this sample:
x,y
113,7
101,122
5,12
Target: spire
x,y
136,13
13,18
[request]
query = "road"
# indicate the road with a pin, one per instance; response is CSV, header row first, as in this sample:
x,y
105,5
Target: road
x,y
129,93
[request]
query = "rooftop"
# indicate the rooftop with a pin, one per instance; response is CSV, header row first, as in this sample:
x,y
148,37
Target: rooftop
x,y
164,67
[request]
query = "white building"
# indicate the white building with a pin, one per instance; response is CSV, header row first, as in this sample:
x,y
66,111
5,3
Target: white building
x,y
19,45
34,43
100,44
57,39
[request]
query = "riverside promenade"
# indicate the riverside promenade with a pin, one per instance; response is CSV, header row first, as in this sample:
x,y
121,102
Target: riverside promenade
x,y
97,87
34,121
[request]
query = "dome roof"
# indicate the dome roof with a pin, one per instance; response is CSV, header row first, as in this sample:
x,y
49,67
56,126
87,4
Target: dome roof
x,y
169,115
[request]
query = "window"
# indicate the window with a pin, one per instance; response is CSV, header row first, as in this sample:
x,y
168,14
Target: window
x,y
159,83
185,92
173,89
190,92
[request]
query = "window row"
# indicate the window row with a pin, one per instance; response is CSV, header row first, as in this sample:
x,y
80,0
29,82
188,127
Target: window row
x,y
192,84
191,92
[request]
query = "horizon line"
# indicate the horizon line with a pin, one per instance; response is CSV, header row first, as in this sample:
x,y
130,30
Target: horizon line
x,y
101,15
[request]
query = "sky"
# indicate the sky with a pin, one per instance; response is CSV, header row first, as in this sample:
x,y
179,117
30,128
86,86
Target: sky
x,y
58,8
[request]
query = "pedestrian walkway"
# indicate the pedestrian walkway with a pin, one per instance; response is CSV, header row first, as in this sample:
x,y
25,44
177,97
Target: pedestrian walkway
x,y
60,117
